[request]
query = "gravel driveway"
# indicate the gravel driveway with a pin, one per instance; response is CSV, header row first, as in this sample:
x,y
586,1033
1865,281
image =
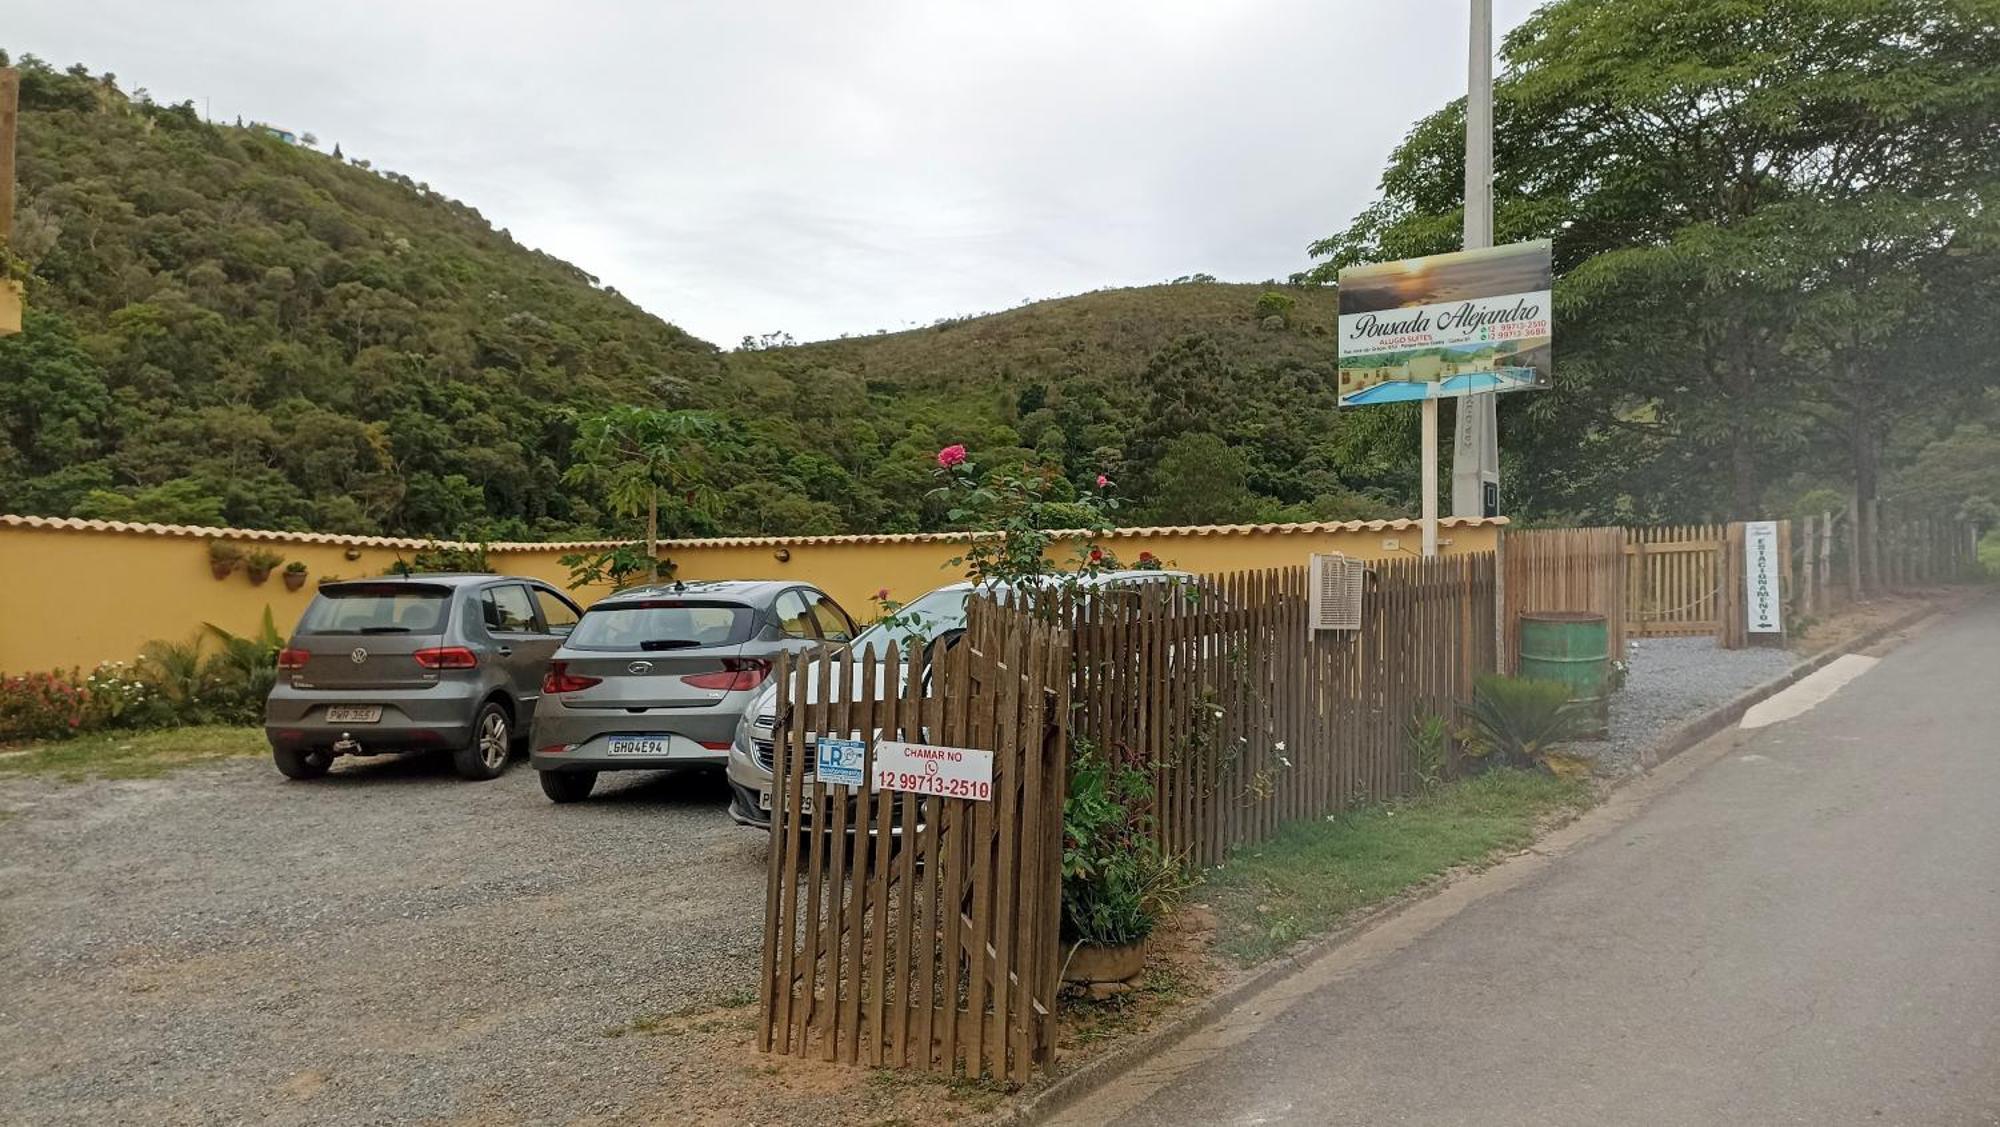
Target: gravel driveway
x,y
1672,681
384,945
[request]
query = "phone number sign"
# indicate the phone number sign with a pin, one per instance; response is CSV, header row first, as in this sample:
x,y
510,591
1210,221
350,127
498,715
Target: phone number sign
x,y
948,772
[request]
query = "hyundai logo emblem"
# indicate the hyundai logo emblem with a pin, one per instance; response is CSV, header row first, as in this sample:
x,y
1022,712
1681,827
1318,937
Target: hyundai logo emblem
x,y
638,667
358,656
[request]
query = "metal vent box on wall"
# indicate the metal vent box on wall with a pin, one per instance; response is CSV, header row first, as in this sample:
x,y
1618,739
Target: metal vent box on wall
x,y
1335,592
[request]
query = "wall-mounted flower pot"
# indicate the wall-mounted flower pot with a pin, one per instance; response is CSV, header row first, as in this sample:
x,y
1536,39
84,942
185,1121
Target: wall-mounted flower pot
x,y
294,580
220,570
257,575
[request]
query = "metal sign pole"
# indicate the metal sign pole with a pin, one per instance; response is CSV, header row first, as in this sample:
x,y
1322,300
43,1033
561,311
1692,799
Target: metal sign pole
x,y
1475,456
1430,477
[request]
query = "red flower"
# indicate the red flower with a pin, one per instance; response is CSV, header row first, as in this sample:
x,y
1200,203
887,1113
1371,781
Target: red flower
x,y
1145,557
882,594
1102,481
951,455
1097,555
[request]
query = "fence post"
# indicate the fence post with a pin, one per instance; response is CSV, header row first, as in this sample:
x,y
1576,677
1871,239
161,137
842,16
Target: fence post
x,y
1806,571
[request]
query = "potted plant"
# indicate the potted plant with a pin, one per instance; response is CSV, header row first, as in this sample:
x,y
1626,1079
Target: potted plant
x,y
223,558
1116,886
295,575
259,564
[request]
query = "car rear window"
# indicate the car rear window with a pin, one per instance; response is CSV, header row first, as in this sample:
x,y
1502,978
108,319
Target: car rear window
x,y
385,609
663,624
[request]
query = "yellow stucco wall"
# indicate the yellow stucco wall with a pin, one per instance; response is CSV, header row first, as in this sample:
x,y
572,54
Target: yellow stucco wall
x,y
75,597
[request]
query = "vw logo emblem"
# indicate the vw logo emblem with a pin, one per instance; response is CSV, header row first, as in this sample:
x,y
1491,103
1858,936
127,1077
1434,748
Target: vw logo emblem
x,y
358,656
639,667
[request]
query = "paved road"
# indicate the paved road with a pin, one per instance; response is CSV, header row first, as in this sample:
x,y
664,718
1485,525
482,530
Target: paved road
x,y
1806,931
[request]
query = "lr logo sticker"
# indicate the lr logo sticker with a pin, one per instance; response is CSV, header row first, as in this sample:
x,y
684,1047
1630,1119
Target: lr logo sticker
x,y
839,762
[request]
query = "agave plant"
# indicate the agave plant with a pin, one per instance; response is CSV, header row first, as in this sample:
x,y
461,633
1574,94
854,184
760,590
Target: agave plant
x,y
1522,719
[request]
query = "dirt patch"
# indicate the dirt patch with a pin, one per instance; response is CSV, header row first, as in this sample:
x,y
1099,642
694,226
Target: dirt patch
x,y
1839,629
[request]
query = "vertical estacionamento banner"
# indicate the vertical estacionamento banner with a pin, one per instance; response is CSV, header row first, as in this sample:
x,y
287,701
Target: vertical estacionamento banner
x,y
1763,599
1446,325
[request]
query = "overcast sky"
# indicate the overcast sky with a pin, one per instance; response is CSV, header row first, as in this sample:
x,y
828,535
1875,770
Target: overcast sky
x,y
833,167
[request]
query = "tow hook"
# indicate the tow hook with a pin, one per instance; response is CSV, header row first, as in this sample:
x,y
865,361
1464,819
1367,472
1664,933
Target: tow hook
x,y
347,745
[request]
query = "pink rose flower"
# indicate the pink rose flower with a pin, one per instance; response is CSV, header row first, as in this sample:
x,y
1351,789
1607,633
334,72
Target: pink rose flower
x,y
951,455
1102,481
882,594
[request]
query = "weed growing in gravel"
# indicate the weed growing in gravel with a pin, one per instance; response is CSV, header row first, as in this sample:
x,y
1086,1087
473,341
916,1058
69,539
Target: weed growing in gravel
x,y
132,755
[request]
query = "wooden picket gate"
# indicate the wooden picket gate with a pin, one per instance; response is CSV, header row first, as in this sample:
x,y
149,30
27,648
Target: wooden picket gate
x,y
1675,580
921,932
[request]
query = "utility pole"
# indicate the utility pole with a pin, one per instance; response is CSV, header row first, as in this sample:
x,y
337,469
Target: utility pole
x,y
1475,456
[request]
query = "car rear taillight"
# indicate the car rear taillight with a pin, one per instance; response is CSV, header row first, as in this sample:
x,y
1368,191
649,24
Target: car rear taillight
x,y
289,658
447,657
560,680
738,674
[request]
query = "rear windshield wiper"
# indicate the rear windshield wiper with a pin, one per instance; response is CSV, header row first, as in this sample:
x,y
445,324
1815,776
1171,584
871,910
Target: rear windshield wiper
x,y
669,644
385,630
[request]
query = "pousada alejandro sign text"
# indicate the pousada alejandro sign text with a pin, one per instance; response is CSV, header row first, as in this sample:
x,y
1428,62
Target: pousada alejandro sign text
x,y
1446,325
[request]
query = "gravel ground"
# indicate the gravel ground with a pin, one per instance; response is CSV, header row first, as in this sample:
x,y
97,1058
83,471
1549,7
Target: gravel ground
x,y
385,945
1672,681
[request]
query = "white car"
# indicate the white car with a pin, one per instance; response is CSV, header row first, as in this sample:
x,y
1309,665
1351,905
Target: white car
x,y
937,615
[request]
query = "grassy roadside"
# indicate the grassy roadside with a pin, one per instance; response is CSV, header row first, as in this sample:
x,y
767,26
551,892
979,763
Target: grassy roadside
x,y
131,755
1304,880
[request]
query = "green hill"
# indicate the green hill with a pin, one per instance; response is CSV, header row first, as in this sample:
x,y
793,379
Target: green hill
x,y
227,328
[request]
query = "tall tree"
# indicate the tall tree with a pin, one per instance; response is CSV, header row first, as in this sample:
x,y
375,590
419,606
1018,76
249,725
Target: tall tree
x,y
1722,178
632,454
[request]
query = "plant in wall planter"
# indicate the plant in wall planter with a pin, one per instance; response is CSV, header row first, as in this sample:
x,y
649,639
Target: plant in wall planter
x,y
295,575
259,565
223,558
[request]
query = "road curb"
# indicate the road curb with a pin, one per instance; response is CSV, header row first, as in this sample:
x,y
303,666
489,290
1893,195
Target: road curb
x,y
1071,1087
1721,717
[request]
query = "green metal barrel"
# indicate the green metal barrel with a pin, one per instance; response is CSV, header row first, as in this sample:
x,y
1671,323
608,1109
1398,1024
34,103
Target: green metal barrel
x,y
1575,649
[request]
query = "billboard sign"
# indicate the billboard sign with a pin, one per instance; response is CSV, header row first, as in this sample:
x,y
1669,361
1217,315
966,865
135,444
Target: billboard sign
x,y
1446,325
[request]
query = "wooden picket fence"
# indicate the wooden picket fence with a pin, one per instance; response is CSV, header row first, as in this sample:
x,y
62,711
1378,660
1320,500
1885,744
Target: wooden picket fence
x,y
1249,718
1565,569
921,932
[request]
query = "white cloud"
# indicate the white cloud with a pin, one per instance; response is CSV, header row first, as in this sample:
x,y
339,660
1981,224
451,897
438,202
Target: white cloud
x,y
825,168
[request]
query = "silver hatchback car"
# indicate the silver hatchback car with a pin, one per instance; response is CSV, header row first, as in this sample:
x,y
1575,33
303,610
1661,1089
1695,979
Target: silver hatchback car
x,y
423,662
657,677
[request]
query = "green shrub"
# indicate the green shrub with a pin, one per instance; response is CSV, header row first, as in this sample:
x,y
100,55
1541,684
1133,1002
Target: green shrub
x,y
1116,885
61,703
1429,734
1520,718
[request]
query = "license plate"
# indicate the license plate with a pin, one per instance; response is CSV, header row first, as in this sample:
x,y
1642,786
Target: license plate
x,y
638,745
354,714
805,801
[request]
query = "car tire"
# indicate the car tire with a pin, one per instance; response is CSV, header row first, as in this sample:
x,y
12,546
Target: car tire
x,y
295,764
567,786
485,755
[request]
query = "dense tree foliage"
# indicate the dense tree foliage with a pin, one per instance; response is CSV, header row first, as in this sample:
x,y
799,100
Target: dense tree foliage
x,y
1774,238
225,327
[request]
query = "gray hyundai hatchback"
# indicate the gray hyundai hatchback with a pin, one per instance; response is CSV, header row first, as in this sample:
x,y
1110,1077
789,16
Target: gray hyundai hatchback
x,y
412,663
658,676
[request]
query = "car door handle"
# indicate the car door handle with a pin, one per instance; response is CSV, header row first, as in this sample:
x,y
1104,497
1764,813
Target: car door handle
x,y
505,651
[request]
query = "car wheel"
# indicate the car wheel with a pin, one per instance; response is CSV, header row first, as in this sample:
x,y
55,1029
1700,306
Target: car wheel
x,y
485,755
296,764
567,786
